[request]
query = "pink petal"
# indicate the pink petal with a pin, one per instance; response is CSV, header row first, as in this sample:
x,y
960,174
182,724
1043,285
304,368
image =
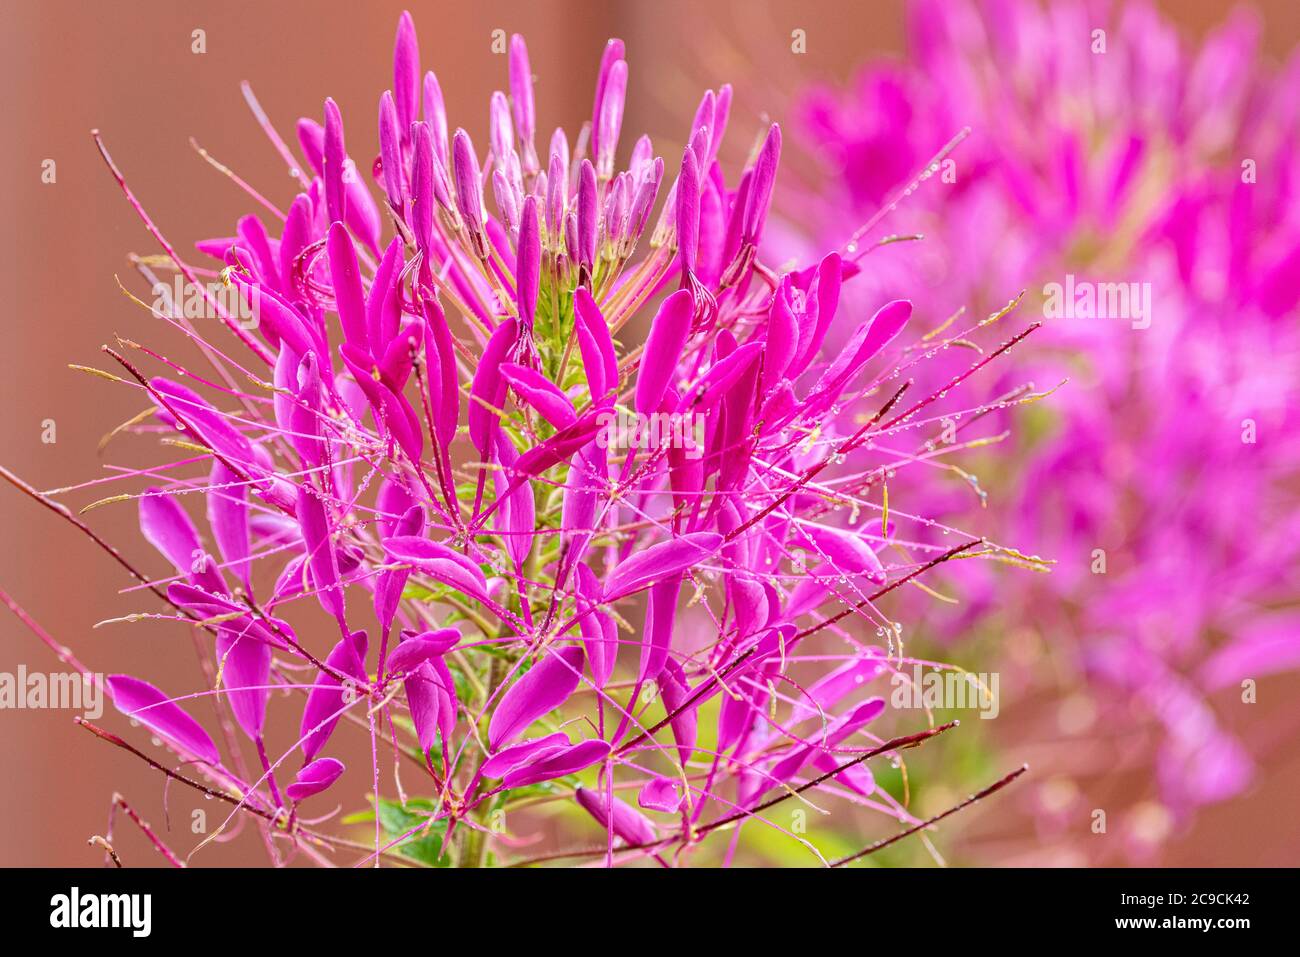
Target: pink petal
x,y
169,529
528,262
439,562
517,755
345,274
544,688
406,71
660,794
555,765
540,393
420,648
142,701
325,701
598,356
599,633
669,331
245,662
228,516
629,824
321,558
314,778
660,561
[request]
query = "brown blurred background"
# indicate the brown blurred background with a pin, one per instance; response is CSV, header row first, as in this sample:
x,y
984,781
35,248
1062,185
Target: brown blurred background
x,y
67,67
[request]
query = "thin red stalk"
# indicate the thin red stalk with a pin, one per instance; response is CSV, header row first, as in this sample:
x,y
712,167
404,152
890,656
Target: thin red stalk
x,y
957,380
120,802
61,651
237,180
906,741
847,445
894,744
979,796
888,588
276,820
257,348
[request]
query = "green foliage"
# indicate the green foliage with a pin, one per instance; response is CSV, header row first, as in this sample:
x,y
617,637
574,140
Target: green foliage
x,y
425,845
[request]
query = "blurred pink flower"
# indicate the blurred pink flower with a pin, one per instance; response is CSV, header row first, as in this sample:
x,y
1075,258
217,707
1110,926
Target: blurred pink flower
x,y
1162,478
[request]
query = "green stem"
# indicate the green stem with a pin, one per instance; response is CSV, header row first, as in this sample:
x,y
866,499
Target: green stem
x,y
473,850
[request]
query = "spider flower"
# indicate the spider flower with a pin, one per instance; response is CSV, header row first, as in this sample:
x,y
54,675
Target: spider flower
x,y
1105,155
456,504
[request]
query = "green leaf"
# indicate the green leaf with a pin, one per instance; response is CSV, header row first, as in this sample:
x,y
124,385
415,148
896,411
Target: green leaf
x,y
396,820
417,592
523,793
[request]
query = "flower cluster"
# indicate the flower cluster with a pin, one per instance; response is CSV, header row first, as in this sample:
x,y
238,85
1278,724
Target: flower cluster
x,y
664,634
1102,150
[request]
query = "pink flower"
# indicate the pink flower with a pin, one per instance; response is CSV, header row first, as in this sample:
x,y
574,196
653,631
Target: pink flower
x,y
414,433
1104,150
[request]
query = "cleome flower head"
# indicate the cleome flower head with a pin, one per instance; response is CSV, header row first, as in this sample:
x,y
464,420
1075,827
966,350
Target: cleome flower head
x,y
455,504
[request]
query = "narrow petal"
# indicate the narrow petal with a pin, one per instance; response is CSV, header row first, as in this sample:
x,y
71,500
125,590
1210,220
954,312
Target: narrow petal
x,y
676,691
520,754
328,697
660,561
558,764
487,392
383,307
420,648
669,331
335,159
688,210
439,562
314,778
628,823
529,262
390,152
545,687
540,393
321,558
597,346
228,516
435,114
143,702
599,633
169,529
660,617
521,100
406,71
349,295
245,663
